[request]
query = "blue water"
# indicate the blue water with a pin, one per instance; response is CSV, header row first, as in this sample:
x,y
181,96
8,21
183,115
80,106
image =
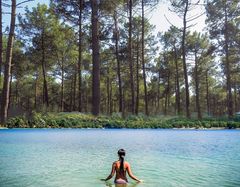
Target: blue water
x,y
79,158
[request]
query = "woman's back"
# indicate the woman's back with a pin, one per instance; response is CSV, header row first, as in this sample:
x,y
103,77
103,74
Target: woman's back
x,y
119,173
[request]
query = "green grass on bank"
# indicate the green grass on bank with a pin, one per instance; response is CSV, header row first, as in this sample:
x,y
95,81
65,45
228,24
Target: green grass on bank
x,y
79,120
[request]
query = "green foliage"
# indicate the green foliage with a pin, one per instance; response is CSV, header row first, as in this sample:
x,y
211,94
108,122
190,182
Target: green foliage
x,y
79,120
37,121
18,122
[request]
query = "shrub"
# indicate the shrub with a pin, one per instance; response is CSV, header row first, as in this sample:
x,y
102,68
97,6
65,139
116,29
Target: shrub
x,y
80,120
17,122
37,120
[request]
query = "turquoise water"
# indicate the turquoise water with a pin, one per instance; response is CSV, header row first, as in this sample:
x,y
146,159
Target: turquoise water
x,y
79,158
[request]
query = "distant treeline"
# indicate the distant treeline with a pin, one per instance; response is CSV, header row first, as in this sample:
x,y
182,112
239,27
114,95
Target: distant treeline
x,y
71,120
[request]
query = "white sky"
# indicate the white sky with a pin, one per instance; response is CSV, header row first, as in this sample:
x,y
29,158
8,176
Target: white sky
x,y
156,16
160,15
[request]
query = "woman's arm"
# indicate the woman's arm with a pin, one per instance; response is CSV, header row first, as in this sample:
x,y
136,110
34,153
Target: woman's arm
x,y
131,175
111,174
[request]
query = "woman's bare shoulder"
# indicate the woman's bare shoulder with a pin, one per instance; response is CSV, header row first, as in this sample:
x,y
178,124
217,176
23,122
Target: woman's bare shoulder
x,y
115,162
126,163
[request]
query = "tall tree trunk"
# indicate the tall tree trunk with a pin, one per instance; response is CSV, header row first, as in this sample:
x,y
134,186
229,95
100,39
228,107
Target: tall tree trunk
x,y
167,94
137,77
74,90
184,60
197,88
175,89
86,97
1,43
235,97
71,94
207,94
95,60
168,91
16,92
143,63
111,100
80,57
228,67
108,92
62,86
7,69
158,92
177,82
165,104
118,62
10,91
45,87
214,106
130,58
35,92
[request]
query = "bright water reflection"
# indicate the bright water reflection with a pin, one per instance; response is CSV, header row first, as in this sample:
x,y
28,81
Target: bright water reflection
x,y
79,158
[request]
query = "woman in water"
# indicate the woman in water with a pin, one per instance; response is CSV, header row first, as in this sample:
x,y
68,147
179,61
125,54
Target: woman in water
x,y
121,167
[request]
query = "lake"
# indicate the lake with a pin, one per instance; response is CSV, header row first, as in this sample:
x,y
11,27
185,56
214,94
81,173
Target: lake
x,y
81,157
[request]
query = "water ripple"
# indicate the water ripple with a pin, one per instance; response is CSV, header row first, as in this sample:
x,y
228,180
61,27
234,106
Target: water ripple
x,y
73,157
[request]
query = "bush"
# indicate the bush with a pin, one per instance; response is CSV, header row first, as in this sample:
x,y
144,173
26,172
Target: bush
x,y
17,122
80,120
37,121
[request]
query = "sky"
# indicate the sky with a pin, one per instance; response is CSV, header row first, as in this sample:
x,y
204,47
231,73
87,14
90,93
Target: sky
x,y
157,17
162,17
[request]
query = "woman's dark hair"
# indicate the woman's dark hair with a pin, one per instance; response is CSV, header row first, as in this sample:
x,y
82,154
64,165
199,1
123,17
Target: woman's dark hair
x,y
121,154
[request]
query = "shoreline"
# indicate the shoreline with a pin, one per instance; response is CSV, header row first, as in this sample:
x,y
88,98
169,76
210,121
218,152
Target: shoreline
x,y
213,128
